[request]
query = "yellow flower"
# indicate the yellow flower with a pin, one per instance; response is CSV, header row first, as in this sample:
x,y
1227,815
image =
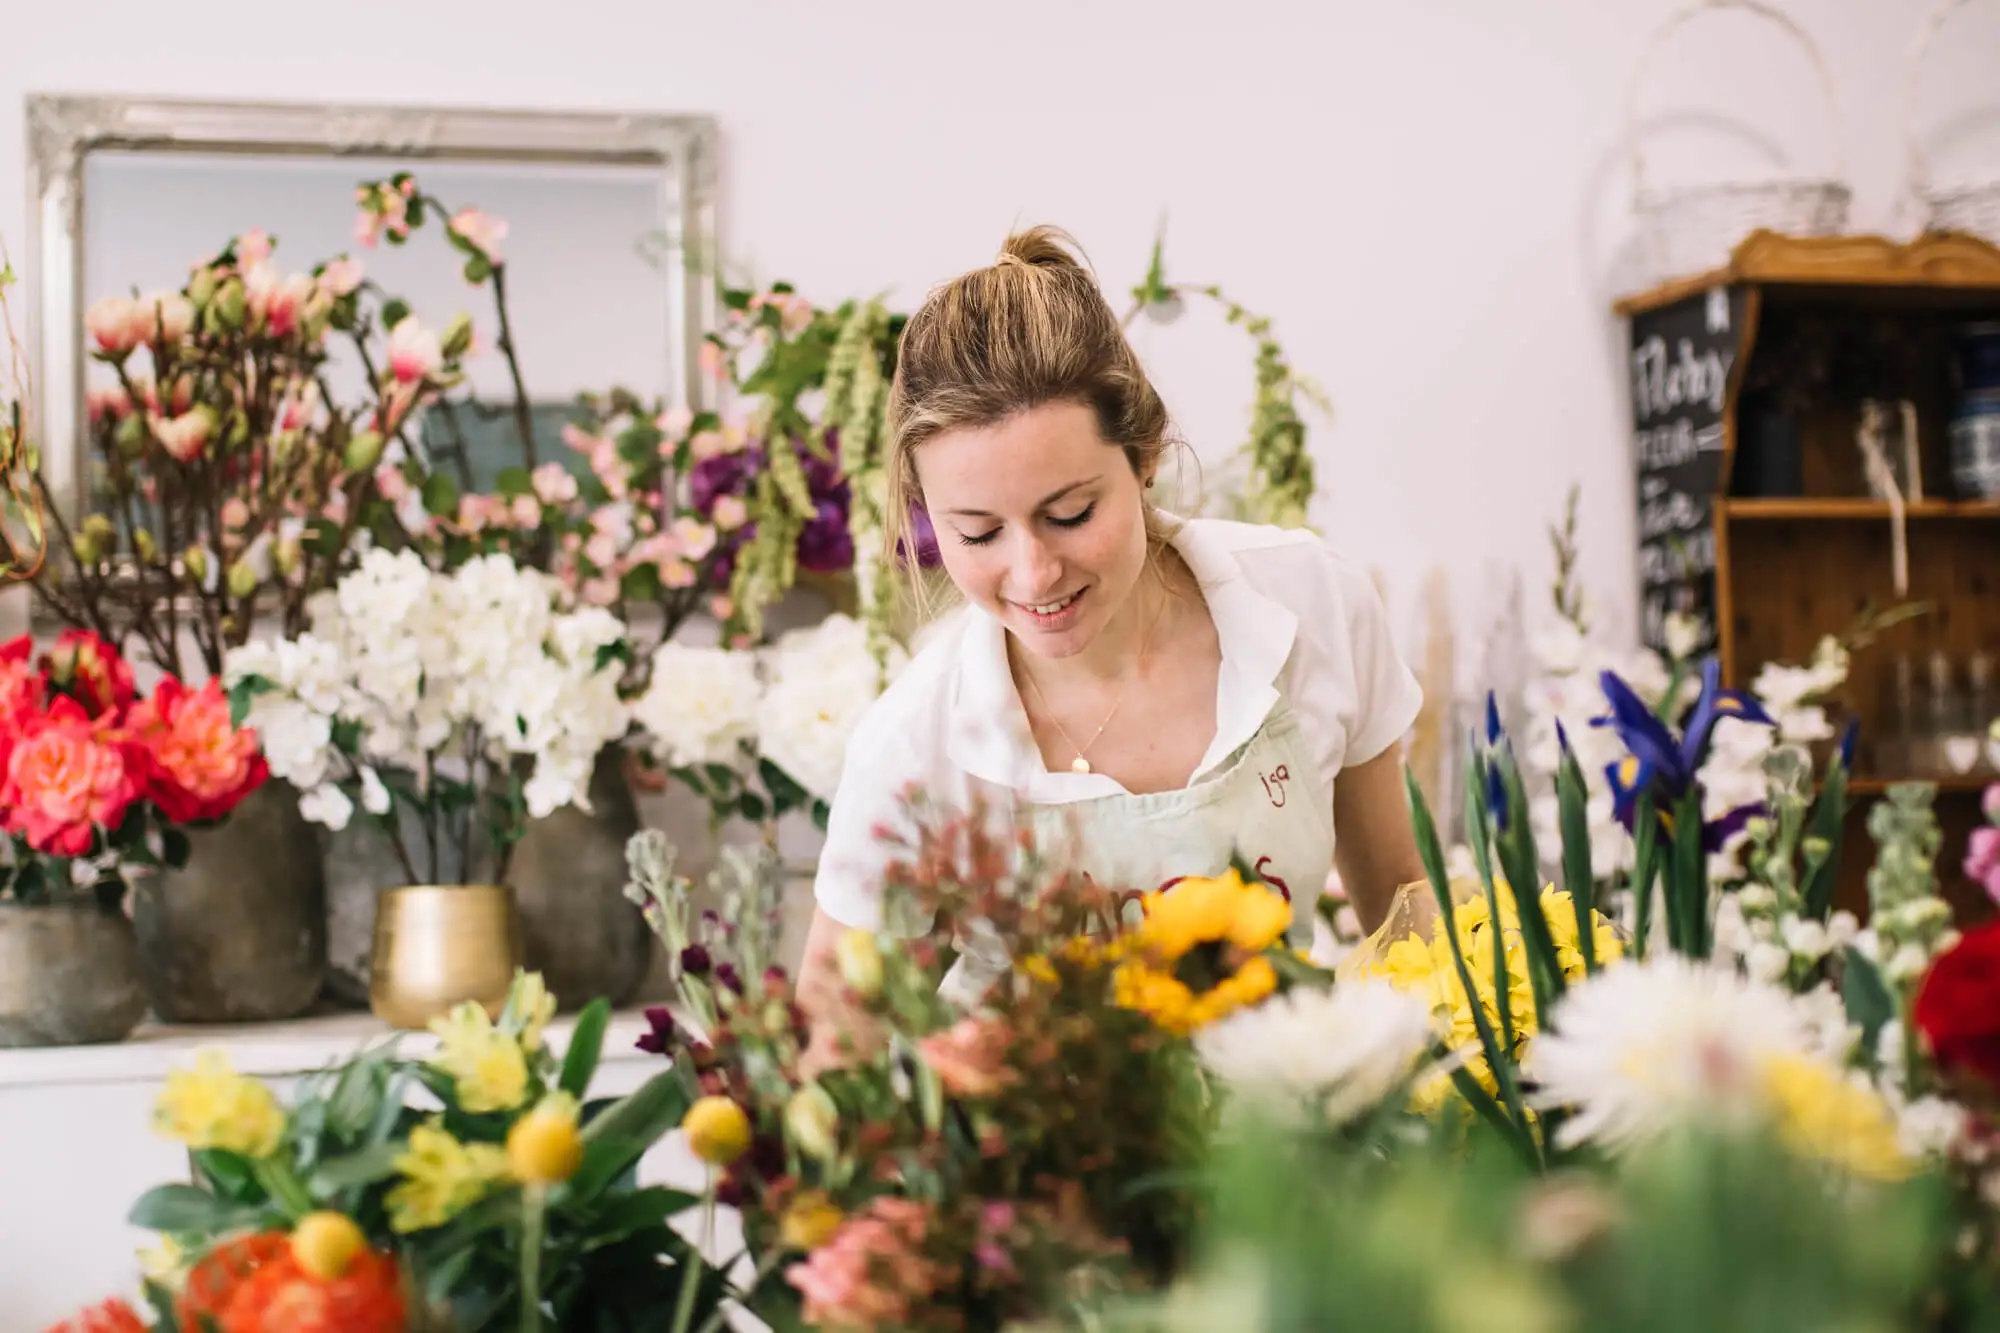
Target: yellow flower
x,y
212,1106
717,1130
1041,969
487,1065
1821,1114
165,1263
1177,1008
860,962
324,1244
533,1008
1200,952
543,1147
809,1220
441,1178
1222,909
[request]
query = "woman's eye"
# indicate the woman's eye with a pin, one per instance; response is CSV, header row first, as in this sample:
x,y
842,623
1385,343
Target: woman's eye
x,y
979,539
1077,519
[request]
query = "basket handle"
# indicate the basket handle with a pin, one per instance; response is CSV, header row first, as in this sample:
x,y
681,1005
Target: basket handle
x,y
1694,10
1920,47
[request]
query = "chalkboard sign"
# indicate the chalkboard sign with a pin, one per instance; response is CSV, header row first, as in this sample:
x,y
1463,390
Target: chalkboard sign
x,y
1683,357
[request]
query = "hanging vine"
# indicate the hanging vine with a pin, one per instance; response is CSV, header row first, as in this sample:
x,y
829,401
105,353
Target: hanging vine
x,y
23,524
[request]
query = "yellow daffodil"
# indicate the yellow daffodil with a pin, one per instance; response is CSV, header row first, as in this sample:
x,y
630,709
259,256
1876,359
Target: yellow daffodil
x,y
487,1065
532,1007
441,1178
212,1106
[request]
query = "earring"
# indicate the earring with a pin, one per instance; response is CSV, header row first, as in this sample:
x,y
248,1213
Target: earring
x,y
1149,483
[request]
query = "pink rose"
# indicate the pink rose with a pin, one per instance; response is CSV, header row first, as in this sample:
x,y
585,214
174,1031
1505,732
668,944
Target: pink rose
x,y
970,1057
67,776
696,538
730,513
481,231
414,352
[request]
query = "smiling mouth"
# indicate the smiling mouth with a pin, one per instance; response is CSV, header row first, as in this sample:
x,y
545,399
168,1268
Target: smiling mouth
x,y
1046,609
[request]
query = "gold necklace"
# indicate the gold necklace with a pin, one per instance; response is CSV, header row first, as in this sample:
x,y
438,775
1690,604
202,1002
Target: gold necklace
x,y
1081,764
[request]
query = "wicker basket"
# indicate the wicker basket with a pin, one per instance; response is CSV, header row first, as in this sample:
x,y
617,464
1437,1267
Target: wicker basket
x,y
1694,228
1974,209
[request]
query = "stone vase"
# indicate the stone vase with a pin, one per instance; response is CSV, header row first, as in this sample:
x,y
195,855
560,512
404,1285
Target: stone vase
x,y
238,934
69,975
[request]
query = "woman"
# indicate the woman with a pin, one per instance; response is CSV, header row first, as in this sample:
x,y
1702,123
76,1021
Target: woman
x,y
1176,692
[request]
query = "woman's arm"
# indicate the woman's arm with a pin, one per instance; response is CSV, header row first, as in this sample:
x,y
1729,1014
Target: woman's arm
x,y
1374,848
822,994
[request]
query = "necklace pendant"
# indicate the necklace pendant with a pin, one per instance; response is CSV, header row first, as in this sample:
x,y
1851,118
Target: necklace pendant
x,y
1079,765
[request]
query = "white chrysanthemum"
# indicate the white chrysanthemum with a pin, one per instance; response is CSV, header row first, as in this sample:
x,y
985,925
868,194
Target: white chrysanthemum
x,y
1344,1049
1929,1126
1640,1047
700,705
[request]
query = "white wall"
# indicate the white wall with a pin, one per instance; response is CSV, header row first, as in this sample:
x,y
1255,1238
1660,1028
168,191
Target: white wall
x,y
1430,196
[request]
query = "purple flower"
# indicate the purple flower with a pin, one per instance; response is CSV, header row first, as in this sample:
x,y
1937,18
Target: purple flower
x,y
695,961
719,475
657,1041
825,545
726,974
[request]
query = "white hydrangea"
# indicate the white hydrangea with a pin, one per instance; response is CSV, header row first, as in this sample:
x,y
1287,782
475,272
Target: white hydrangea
x,y
700,707
819,683
419,665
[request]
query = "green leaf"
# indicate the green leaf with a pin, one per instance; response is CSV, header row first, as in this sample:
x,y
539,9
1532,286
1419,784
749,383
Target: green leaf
x,y
440,495
478,269
241,694
1687,880
1645,864
641,584
184,1209
822,814
362,1167
322,538
586,1043
1524,872
615,1140
751,806
1577,876
346,735
394,312
1866,994
786,795
1828,825
514,481
735,299
640,1209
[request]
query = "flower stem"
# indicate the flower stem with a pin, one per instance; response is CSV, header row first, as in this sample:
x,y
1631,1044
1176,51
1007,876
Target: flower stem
x,y
283,1185
533,1210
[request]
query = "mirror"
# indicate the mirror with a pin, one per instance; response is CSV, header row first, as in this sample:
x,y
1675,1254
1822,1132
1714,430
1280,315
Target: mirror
x,y
610,238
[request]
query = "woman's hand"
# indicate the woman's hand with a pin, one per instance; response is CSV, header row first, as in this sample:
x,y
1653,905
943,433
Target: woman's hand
x,y
1374,847
823,995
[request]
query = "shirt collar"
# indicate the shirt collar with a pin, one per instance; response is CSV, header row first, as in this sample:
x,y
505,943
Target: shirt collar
x,y
989,737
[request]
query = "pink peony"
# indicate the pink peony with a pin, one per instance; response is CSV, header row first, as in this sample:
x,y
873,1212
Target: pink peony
x,y
970,1057
68,775
481,231
198,764
1982,860
414,353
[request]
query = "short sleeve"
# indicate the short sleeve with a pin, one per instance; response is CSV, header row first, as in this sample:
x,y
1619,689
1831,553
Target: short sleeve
x,y
1387,698
894,748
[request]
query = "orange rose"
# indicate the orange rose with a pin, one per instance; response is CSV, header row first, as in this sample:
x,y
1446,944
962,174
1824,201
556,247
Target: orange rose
x,y
112,1316
198,764
280,1297
67,776
216,1278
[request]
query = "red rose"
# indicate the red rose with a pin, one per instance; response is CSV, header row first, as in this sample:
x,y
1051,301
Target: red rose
x,y
198,765
87,667
1958,1006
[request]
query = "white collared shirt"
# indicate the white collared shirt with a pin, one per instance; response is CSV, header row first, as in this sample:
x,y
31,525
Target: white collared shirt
x,y
1296,620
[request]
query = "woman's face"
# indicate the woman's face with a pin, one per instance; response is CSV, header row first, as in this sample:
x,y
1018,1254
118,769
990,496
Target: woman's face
x,y
1039,521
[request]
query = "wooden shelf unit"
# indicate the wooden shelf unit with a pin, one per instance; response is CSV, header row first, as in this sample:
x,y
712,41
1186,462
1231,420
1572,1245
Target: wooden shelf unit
x,y
1801,323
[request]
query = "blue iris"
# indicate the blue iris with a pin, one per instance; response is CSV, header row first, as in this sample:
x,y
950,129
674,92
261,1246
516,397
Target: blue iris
x,y
1658,762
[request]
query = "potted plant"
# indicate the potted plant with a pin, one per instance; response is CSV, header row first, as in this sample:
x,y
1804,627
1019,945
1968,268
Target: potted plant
x,y
97,787
450,708
227,483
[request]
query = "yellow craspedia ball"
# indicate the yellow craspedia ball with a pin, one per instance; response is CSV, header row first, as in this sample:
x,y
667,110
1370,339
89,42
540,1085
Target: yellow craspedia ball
x,y
717,1130
544,1147
809,1221
324,1244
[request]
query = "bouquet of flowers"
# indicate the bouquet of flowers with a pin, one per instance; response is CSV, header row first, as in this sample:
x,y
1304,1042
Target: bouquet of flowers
x,y
97,783
233,485
473,699
970,1158
472,1188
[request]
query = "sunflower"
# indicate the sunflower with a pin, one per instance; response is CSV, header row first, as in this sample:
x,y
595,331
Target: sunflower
x,y
1200,953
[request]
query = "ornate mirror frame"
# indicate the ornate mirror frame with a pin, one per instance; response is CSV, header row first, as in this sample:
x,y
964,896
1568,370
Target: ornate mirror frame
x,y
64,130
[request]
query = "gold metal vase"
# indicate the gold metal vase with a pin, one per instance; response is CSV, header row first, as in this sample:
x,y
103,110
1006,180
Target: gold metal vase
x,y
438,945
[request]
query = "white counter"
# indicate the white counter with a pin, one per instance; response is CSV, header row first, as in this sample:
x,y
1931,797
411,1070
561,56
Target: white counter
x,y
77,1147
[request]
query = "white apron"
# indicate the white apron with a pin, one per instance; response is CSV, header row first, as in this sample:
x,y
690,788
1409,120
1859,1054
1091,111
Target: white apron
x,y
1265,804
